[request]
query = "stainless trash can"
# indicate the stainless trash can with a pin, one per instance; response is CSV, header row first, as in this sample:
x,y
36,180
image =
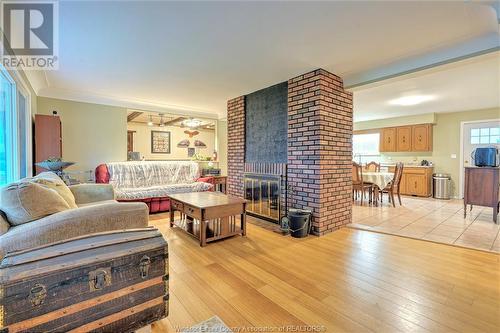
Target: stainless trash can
x,y
441,184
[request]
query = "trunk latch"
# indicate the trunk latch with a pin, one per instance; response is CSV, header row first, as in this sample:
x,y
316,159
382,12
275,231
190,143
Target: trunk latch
x,y
144,265
37,294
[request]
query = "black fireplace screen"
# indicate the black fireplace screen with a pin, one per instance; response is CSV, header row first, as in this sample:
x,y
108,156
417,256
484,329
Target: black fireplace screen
x,y
263,193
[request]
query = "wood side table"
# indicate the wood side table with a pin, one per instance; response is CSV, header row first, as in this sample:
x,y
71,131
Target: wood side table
x,y
208,216
222,182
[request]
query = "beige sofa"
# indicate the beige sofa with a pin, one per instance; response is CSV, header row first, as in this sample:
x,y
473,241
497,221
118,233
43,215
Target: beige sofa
x,y
96,211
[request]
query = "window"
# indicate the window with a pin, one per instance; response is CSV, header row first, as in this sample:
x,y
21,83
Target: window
x,y
15,129
8,158
365,147
484,136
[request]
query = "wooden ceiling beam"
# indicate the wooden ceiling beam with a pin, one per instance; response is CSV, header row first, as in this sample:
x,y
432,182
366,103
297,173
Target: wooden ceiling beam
x,y
173,121
133,115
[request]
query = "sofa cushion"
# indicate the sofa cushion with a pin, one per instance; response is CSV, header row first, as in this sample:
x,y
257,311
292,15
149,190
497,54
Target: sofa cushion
x,y
104,202
160,191
53,181
25,201
73,223
89,193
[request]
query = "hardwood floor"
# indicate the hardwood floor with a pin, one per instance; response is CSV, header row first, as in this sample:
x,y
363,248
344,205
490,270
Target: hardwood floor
x,y
347,281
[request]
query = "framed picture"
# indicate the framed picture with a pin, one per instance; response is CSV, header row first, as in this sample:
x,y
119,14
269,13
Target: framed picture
x,y
191,152
160,142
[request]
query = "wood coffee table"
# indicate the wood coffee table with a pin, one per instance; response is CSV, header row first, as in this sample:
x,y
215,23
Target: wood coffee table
x,y
208,216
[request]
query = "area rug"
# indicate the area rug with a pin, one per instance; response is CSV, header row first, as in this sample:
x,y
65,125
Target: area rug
x,y
212,325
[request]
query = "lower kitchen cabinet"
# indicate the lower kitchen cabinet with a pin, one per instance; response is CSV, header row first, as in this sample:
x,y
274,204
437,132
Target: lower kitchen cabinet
x,y
416,181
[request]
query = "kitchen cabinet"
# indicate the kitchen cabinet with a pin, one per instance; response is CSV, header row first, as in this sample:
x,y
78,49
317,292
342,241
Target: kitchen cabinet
x,y
403,135
411,138
416,181
422,137
388,139
48,139
415,184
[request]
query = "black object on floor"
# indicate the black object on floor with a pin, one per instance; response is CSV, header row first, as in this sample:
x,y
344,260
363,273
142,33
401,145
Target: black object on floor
x,y
300,222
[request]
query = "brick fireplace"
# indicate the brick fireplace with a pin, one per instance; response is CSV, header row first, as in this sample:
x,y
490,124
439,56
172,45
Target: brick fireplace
x,y
319,148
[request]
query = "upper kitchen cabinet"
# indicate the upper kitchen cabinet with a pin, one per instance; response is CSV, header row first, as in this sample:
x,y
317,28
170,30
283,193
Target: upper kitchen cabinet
x,y
422,137
403,138
410,138
388,139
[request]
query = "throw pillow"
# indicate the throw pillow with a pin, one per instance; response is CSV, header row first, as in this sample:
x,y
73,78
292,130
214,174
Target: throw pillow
x,y
26,201
53,181
4,225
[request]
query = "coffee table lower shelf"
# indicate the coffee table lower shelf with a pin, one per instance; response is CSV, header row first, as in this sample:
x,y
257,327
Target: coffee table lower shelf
x,y
213,230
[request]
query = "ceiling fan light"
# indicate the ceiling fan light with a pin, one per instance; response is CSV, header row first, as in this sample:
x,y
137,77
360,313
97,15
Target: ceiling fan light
x,y
192,122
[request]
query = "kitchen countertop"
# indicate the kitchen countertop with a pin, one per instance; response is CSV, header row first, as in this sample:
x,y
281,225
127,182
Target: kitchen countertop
x,y
407,165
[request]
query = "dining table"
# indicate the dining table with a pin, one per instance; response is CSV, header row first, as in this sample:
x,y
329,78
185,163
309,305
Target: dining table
x,y
379,179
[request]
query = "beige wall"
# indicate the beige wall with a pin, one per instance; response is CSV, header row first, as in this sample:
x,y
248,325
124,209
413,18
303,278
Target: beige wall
x,y
446,139
142,141
222,145
91,133
397,121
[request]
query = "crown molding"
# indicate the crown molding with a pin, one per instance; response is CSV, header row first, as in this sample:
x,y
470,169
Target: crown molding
x,y
87,97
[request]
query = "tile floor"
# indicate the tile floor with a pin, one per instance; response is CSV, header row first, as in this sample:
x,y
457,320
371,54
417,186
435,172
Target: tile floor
x,y
430,219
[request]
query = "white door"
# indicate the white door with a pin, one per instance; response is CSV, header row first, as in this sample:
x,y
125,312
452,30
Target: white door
x,y
475,135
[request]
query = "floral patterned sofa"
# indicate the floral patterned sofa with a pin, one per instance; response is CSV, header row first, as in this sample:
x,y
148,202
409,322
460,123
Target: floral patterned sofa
x,y
152,182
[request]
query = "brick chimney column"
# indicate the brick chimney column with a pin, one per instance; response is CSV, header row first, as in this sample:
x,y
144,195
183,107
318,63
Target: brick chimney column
x,y
320,148
235,145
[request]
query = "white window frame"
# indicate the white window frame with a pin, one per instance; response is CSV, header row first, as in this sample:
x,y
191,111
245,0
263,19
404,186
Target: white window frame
x,y
23,89
12,123
489,136
11,130
461,177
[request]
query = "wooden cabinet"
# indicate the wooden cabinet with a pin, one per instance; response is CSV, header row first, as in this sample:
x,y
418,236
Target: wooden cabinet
x,y
388,139
403,135
406,138
416,181
482,188
415,184
422,137
130,141
48,140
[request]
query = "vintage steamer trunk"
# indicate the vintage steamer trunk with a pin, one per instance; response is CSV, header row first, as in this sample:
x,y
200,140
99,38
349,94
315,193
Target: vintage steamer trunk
x,y
106,282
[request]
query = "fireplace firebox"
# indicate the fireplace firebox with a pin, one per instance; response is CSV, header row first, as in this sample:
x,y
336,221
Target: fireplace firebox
x,y
265,196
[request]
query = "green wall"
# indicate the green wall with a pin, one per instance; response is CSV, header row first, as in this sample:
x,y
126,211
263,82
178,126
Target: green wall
x,y
91,133
446,138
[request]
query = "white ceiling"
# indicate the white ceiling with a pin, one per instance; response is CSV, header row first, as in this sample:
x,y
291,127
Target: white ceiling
x,y
194,56
466,85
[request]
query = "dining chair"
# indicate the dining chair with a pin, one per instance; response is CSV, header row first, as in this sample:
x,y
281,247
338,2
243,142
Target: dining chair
x,y
358,184
393,186
372,166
